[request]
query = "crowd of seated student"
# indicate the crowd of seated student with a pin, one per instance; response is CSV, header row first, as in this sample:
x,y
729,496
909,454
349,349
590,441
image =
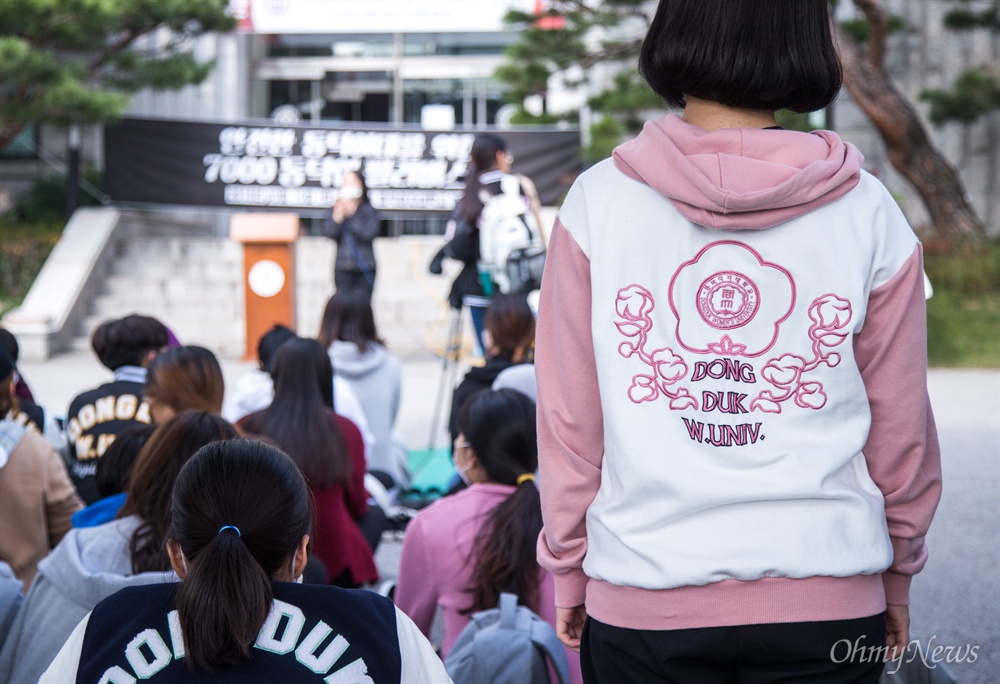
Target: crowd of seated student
x,y
94,562
123,541
241,516
328,449
254,389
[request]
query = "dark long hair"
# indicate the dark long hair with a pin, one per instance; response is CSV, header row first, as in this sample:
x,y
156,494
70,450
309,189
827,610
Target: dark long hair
x,y
152,481
484,158
300,418
348,316
184,378
500,427
226,593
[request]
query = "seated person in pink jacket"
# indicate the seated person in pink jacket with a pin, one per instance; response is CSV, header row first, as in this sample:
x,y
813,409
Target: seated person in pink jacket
x,y
461,552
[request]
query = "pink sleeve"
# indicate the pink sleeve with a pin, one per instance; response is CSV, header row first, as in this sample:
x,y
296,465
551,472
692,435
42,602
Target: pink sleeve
x,y
570,420
416,595
902,450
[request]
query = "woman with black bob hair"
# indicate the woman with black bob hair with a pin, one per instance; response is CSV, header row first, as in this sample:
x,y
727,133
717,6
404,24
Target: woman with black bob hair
x,y
329,451
734,428
463,551
241,520
761,55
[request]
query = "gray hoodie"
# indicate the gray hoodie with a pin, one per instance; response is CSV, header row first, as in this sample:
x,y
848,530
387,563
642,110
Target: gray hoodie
x,y
375,375
88,565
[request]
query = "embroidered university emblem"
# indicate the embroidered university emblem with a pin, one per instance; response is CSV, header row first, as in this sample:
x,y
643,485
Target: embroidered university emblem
x,y
728,300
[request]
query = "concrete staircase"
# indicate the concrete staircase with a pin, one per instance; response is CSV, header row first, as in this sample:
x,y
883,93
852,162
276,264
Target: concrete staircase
x,y
193,282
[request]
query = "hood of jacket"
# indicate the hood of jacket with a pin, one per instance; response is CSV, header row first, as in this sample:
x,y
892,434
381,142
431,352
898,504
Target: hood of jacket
x,y
10,436
351,363
92,563
740,178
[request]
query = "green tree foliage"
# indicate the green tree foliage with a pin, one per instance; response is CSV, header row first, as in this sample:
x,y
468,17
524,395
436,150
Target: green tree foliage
x,y
976,91
75,61
566,43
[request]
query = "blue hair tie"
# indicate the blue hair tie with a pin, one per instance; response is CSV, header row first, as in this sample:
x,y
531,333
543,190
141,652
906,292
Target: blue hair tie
x,y
230,527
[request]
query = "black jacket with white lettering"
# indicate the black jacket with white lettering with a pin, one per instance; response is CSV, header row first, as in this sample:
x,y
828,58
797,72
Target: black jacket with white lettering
x,y
92,422
313,633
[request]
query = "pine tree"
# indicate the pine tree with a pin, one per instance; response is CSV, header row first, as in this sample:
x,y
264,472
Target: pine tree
x,y
566,41
570,37
73,61
909,146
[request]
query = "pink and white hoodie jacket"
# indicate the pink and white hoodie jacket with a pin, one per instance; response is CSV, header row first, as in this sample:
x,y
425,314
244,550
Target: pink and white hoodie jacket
x,y
733,418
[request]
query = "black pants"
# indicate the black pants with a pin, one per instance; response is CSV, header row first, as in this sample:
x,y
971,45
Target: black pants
x,y
837,652
345,279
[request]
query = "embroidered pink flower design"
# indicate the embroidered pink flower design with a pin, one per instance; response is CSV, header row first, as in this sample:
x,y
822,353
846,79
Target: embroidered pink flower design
x,y
729,301
831,316
633,305
810,395
765,403
784,370
668,366
682,400
643,388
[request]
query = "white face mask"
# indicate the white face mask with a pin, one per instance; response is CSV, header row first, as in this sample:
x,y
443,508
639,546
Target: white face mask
x,y
463,473
349,192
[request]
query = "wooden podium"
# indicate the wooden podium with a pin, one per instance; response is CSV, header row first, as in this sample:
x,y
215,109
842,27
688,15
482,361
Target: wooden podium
x,y
268,271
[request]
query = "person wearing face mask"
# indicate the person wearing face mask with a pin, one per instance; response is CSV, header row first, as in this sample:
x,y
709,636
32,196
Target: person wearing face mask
x,y
241,524
354,224
462,551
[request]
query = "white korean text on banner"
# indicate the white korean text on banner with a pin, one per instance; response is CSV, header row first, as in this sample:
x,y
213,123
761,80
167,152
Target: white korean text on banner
x,y
301,167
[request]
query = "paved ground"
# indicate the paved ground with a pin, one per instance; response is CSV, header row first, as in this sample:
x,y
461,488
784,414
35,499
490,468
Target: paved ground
x,y
956,600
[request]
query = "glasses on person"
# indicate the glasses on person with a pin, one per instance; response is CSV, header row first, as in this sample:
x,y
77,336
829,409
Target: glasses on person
x,y
509,158
460,445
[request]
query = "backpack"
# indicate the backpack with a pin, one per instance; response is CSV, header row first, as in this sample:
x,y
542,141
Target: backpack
x,y
508,644
511,254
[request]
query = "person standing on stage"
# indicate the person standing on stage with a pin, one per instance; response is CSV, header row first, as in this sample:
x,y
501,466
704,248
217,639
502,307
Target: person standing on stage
x,y
354,224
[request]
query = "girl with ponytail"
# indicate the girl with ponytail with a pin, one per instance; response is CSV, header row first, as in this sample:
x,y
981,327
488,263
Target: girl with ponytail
x,y
464,550
92,563
241,521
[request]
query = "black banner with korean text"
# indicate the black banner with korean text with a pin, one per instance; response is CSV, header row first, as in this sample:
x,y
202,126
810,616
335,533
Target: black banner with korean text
x,y
269,165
